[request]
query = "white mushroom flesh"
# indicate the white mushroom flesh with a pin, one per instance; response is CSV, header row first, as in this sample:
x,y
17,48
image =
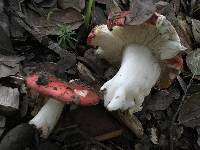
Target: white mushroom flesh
x,y
142,47
138,73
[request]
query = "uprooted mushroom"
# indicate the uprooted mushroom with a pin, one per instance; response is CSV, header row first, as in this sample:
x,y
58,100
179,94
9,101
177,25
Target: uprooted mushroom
x,y
140,49
58,93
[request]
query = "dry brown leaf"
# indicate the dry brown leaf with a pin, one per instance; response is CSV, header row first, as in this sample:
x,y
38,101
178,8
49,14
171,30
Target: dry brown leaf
x,y
190,112
9,65
9,101
79,5
154,137
196,30
161,100
102,1
140,11
5,43
49,25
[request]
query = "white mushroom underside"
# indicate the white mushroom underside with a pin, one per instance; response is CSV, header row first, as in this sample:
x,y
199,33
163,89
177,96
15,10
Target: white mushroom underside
x,y
47,117
138,73
139,69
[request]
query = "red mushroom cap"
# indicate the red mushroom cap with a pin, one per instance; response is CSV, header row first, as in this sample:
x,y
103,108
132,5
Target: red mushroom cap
x,y
91,36
63,91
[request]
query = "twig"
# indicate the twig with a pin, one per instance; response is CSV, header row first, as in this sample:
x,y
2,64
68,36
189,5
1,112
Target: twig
x,y
177,112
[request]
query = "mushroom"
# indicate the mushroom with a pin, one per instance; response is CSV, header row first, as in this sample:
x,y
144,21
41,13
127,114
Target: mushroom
x,y
58,94
140,49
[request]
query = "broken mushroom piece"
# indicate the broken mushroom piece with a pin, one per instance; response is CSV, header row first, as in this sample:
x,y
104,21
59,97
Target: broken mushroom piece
x,y
139,48
59,93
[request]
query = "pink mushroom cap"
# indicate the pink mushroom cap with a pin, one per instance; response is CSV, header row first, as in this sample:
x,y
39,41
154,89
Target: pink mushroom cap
x,y
63,91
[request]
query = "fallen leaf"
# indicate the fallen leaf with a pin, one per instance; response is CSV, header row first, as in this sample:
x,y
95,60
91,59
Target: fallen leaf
x,y
190,112
37,1
5,43
161,100
17,32
198,131
2,121
45,3
193,62
85,73
76,4
194,88
99,16
196,30
4,23
160,5
184,31
49,25
9,101
101,1
154,137
1,6
140,11
182,83
9,65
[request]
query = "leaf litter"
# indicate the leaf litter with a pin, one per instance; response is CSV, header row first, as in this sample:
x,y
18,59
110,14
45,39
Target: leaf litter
x,y
42,19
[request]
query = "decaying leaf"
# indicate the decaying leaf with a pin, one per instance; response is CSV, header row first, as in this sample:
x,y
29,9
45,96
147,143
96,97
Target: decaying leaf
x,y
49,24
2,121
9,101
196,30
190,112
154,137
101,1
194,88
4,23
184,31
85,73
98,16
5,43
193,62
9,65
182,83
45,3
1,6
140,11
198,131
161,100
16,31
76,4
161,4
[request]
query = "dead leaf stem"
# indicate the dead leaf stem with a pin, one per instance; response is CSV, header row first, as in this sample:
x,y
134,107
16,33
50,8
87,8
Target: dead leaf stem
x,y
183,100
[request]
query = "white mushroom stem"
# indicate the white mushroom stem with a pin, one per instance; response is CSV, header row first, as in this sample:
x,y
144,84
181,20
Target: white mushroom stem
x,y
138,73
141,46
47,117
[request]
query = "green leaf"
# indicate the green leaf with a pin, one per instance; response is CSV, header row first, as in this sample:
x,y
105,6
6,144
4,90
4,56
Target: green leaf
x,y
193,62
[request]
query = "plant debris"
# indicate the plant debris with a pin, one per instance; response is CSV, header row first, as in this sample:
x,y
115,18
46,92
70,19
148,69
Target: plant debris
x,y
48,37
